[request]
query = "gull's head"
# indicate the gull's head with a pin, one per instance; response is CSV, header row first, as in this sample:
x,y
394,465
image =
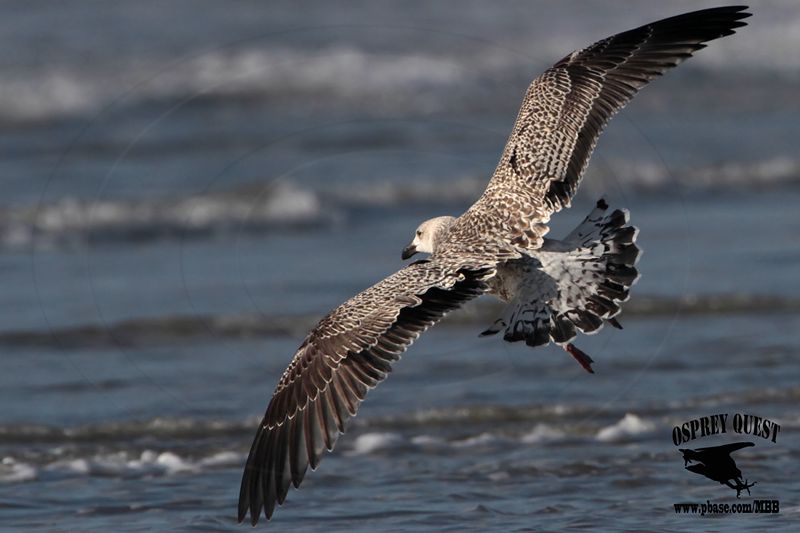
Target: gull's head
x,y
428,236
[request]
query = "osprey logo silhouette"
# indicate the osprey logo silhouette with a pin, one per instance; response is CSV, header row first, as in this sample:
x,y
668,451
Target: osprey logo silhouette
x,y
716,464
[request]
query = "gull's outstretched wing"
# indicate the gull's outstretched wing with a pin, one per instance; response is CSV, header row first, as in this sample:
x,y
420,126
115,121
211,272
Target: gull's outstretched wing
x,y
350,351
566,108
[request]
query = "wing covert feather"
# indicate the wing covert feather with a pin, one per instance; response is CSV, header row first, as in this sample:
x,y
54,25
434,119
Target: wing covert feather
x,y
349,352
563,113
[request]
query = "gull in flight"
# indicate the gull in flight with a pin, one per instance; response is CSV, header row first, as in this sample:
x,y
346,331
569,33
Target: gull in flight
x,y
553,288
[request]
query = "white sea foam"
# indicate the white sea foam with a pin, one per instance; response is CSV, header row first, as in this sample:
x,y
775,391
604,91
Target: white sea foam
x,y
542,433
427,440
173,463
12,471
269,72
222,459
481,439
75,466
637,175
350,73
372,442
277,204
280,204
628,427
649,175
147,462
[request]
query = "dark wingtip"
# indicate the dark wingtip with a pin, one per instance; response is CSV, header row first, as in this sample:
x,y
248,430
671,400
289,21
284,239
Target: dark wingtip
x,y
601,204
244,498
721,21
740,12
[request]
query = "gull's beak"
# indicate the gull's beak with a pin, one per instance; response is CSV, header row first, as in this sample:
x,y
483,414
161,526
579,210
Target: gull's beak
x,y
409,250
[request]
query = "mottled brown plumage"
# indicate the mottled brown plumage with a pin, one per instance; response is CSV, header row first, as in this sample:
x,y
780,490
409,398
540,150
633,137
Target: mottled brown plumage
x,y
493,246
349,352
565,110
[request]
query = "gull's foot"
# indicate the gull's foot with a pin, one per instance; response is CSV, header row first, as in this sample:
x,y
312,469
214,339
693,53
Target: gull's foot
x,y
580,356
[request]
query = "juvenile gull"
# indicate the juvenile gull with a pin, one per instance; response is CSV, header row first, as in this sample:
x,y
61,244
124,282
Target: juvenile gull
x,y
554,288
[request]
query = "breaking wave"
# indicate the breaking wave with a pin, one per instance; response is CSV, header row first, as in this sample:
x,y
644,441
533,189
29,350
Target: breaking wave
x,y
170,329
281,204
275,74
343,74
122,463
627,428
460,425
179,446
126,448
71,219
378,430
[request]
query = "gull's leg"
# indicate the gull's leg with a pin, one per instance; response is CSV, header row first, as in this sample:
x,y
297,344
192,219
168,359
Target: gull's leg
x,y
580,356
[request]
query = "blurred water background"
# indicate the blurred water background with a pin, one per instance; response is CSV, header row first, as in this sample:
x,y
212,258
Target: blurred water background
x,y
188,186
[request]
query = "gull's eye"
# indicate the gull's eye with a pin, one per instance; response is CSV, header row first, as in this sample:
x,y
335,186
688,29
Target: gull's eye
x,y
419,233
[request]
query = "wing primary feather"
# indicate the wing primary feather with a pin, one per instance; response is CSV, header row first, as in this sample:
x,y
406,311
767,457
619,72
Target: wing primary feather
x,y
327,425
565,110
348,396
269,488
339,402
335,422
298,455
283,471
313,436
332,371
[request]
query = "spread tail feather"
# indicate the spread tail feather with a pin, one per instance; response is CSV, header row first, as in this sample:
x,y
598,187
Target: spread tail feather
x,y
572,285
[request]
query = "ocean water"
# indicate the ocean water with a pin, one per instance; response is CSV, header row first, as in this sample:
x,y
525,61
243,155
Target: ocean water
x,y
189,186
